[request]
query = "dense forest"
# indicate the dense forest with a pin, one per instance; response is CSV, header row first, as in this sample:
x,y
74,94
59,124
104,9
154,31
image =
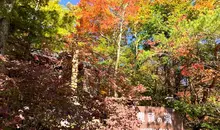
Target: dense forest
x,y
79,67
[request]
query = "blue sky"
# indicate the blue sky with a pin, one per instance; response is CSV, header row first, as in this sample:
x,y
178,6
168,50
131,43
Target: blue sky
x,y
63,2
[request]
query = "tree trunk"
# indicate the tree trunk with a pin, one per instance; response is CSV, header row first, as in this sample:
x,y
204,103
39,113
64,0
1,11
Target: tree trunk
x,y
118,58
4,25
75,62
137,40
118,47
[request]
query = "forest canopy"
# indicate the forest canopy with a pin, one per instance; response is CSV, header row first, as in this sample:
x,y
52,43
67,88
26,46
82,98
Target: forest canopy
x,y
63,67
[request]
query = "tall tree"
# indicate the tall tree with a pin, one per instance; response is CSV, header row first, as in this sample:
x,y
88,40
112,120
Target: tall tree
x,y
108,20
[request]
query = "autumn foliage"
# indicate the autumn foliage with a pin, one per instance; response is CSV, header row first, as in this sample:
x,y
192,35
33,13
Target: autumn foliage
x,y
119,53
